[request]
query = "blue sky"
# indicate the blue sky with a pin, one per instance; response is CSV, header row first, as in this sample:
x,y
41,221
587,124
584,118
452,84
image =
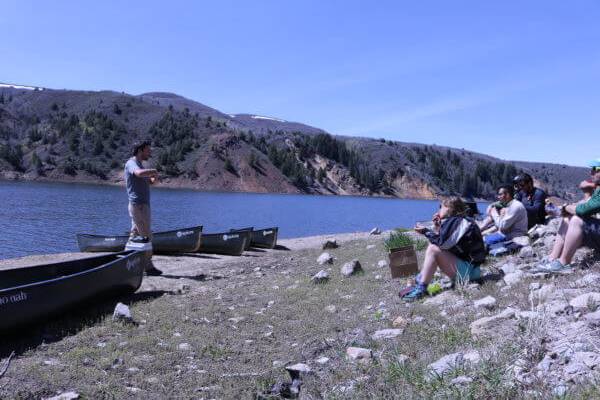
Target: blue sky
x,y
514,79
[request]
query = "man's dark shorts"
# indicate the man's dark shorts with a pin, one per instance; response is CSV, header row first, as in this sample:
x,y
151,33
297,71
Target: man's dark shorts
x,y
591,233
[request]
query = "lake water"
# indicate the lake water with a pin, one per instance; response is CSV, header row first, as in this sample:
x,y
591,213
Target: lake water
x,y
43,218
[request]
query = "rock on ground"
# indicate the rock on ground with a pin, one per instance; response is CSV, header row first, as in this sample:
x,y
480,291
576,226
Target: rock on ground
x,y
122,313
320,277
351,268
586,301
325,258
487,302
487,325
64,396
375,231
387,333
330,244
359,354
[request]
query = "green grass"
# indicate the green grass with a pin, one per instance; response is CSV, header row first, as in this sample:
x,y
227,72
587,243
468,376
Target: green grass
x,y
399,238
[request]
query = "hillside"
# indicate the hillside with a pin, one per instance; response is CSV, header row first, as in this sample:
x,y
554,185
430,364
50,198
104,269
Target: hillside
x,y
85,136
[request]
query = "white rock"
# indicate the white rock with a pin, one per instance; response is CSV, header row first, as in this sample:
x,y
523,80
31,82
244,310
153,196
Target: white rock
x,y
370,246
236,320
375,231
535,286
483,325
320,277
544,294
64,396
359,354
387,333
331,309
322,360
526,252
451,361
593,318
184,347
298,370
508,268
528,314
487,302
588,280
351,268
586,300
382,263
513,278
325,258
522,240
461,380
122,313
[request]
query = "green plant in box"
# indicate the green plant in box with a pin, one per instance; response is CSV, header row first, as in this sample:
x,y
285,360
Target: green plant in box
x,y
398,239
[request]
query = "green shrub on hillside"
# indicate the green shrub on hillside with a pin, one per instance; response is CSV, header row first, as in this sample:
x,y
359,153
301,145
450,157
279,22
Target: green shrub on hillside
x,y
399,238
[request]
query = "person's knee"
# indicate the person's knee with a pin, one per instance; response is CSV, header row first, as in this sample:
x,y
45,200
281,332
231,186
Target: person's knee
x,y
576,222
432,248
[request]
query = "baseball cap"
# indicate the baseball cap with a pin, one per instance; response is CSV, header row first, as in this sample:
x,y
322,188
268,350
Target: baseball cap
x,y
594,163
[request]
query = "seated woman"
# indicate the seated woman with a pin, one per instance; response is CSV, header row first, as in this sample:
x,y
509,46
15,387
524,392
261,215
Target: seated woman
x,y
456,247
579,226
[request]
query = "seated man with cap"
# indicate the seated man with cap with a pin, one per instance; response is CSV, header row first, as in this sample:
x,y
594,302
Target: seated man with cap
x,y
534,199
578,228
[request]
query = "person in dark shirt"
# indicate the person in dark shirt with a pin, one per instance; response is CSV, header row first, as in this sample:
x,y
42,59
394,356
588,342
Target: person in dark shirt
x,y
534,199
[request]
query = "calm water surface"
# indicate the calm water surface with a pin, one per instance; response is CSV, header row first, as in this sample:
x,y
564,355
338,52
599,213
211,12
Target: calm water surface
x,y
42,218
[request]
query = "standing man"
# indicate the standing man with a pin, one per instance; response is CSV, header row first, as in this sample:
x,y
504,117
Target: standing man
x,y
138,180
534,199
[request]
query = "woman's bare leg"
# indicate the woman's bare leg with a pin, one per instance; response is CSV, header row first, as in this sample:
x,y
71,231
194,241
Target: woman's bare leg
x,y
573,240
436,257
559,241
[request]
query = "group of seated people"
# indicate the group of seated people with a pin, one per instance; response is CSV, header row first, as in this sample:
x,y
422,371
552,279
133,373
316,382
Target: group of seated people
x,y
457,246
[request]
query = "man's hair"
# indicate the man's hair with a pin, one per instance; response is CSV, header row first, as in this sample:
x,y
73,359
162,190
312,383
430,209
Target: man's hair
x,y
509,188
523,178
137,146
456,207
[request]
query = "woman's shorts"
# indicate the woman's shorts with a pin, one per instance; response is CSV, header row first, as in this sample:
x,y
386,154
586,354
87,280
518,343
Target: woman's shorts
x,y
465,271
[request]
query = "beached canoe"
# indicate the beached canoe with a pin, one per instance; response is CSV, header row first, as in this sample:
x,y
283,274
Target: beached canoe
x,y
28,294
265,238
178,241
247,229
230,243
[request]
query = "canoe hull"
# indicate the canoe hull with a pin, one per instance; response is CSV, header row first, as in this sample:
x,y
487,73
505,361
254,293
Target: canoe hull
x,y
177,241
265,238
229,243
30,294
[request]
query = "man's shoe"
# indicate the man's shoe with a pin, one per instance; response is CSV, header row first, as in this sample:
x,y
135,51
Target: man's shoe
x,y
417,292
153,272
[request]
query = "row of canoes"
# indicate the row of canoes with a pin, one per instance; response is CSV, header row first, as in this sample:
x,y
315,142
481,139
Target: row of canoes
x,y
189,240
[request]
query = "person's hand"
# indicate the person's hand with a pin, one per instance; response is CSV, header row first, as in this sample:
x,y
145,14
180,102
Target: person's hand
x,y
502,211
420,229
489,209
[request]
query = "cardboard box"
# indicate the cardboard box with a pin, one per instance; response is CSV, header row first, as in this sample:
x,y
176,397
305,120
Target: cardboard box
x,y
403,262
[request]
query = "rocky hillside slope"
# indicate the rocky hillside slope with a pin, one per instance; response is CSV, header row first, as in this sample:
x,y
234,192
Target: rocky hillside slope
x,y
71,135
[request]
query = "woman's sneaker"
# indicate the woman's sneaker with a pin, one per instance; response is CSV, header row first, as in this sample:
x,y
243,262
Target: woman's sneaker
x,y
417,292
554,267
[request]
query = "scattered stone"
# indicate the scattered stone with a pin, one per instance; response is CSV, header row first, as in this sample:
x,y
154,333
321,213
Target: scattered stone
x,y
236,320
375,231
513,278
184,347
451,361
382,263
387,334
586,301
320,277
370,246
528,315
527,252
593,318
544,293
330,244
325,258
359,354
278,364
133,370
521,240
351,268
64,396
331,309
461,380
401,359
487,302
485,325
286,390
400,322
122,313
534,286
418,319
298,371
322,360
591,279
